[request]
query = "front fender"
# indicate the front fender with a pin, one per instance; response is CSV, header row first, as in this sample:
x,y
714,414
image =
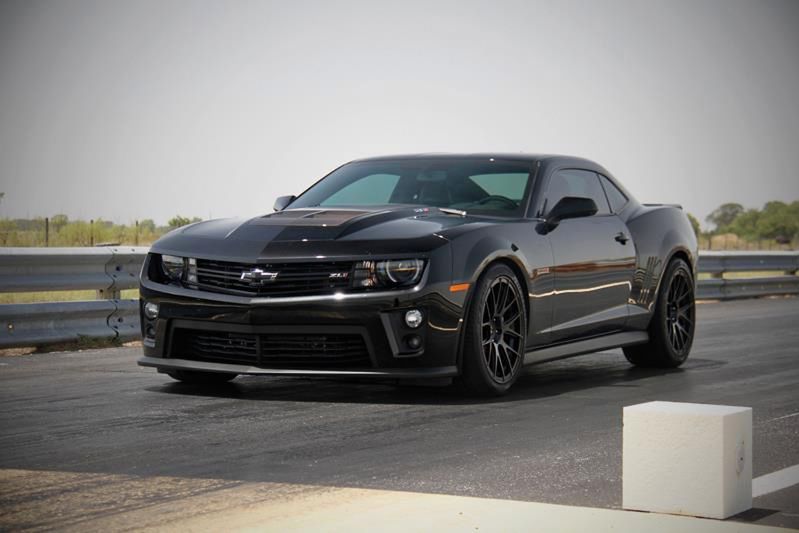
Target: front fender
x,y
471,258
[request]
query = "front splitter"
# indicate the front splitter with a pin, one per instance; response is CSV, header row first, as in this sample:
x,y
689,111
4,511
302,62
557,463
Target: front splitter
x,y
386,373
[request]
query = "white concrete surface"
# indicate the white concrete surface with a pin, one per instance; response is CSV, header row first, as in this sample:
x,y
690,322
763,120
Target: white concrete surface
x,y
109,502
688,459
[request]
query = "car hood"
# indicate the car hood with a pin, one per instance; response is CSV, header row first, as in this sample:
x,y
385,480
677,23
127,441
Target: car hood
x,y
315,232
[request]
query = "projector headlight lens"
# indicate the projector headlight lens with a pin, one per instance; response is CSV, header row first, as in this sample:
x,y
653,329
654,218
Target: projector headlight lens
x,y
399,271
173,267
389,273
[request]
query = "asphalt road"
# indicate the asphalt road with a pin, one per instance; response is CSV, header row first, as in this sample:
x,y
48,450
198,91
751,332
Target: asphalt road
x,y
555,438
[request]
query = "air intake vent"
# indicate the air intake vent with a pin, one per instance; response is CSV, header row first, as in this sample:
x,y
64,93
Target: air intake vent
x,y
273,350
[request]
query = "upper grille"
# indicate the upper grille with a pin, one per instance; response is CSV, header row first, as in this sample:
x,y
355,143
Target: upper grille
x,y
273,350
293,279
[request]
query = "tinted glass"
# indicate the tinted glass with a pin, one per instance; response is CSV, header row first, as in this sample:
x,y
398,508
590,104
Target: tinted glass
x,y
615,196
508,185
372,189
579,183
475,185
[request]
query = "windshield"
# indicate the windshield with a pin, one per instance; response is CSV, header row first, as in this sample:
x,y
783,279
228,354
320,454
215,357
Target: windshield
x,y
481,185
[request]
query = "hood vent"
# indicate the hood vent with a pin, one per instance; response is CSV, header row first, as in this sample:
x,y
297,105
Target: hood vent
x,y
311,217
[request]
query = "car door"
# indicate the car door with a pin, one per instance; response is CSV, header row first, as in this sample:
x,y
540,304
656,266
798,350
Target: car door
x,y
594,261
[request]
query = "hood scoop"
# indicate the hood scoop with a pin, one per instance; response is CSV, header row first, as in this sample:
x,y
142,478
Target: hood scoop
x,y
310,217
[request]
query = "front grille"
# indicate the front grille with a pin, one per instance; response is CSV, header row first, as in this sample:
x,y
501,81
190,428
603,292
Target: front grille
x,y
292,279
273,350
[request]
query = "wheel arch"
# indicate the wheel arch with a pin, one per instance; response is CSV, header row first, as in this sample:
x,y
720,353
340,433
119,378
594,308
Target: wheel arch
x,y
516,265
681,253
678,252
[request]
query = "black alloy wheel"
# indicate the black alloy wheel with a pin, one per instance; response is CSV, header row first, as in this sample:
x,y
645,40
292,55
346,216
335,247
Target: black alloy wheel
x,y
496,330
680,310
502,330
671,329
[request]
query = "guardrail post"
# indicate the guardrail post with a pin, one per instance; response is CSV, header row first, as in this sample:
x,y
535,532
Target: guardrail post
x,y
793,270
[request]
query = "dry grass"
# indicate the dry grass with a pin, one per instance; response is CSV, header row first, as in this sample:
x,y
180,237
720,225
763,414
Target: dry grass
x,y
58,296
83,343
745,275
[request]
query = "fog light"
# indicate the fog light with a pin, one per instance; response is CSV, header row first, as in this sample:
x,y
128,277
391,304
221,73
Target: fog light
x,y
151,310
149,332
414,342
413,318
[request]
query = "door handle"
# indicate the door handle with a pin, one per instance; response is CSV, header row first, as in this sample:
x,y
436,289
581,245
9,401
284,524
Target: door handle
x,y
621,237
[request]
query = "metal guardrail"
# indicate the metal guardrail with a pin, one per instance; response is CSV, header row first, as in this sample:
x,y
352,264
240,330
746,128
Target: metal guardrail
x,y
107,271
111,270
717,264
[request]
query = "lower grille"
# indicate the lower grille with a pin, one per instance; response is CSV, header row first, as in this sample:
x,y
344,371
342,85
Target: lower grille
x,y
273,350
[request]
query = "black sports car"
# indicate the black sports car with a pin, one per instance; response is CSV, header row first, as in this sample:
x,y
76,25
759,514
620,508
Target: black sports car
x,y
425,266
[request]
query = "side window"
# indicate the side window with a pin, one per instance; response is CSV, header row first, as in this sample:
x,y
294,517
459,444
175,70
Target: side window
x,y
373,189
579,183
615,196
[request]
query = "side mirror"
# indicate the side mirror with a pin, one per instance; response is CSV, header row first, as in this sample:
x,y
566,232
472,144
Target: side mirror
x,y
283,202
571,207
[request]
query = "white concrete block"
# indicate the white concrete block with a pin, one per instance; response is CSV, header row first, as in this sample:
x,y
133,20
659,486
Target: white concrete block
x,y
687,458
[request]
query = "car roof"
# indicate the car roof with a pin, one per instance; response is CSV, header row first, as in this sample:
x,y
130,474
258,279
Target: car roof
x,y
554,160
517,156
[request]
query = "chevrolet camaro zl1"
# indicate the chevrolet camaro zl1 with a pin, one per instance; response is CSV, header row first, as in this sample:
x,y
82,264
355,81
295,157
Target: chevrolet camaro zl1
x,y
425,266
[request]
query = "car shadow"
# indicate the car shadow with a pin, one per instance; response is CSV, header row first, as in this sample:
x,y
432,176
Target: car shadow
x,y
538,381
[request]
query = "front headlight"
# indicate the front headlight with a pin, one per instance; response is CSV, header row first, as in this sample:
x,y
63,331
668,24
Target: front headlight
x,y
173,267
389,273
399,272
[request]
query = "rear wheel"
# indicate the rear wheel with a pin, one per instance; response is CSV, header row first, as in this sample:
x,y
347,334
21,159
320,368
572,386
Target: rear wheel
x,y
493,351
671,332
198,377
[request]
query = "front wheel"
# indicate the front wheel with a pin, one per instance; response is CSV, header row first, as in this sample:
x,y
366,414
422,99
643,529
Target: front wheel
x,y
671,332
197,377
496,329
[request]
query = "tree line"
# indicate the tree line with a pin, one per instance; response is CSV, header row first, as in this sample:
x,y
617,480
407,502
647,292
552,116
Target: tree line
x,y
777,220
776,223
735,227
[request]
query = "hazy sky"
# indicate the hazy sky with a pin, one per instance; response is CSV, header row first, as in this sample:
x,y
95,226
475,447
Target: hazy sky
x,y
139,109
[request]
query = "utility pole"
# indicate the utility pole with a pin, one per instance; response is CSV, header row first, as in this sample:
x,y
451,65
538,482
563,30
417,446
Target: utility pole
x,y
46,231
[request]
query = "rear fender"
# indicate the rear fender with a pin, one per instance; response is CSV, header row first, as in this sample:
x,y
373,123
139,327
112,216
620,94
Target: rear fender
x,y
659,232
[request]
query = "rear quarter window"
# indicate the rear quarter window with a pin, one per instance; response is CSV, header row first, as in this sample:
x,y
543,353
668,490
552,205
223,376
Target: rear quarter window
x,y
616,198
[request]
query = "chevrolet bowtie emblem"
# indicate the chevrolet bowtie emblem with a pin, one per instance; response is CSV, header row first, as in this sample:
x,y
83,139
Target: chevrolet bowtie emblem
x,y
256,276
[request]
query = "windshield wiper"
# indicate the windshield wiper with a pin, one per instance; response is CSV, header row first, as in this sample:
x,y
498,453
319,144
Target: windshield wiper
x,y
450,211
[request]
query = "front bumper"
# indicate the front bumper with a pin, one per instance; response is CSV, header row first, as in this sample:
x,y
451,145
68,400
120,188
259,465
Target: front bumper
x,y
387,373
200,331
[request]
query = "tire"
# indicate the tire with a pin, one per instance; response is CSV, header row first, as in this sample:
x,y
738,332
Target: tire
x,y
197,377
496,331
671,331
